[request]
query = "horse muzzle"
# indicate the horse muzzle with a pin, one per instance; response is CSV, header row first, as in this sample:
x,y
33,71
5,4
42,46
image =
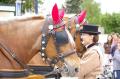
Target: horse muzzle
x,y
68,70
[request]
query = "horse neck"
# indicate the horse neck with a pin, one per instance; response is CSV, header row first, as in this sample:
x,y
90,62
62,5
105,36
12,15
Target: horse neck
x,y
20,36
79,46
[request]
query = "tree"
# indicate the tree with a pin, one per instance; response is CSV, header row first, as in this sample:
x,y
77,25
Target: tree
x,y
28,5
111,22
73,6
93,11
7,1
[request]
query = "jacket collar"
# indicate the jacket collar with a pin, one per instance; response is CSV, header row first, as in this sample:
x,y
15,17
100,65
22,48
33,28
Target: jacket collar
x,y
90,45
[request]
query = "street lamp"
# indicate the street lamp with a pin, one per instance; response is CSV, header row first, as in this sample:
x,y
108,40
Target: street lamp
x,y
18,7
36,6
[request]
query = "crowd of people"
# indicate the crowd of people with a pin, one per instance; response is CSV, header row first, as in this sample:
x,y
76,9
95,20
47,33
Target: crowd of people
x,y
112,54
99,61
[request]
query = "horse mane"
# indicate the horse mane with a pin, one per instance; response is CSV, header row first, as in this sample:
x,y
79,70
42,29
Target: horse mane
x,y
71,39
21,18
69,15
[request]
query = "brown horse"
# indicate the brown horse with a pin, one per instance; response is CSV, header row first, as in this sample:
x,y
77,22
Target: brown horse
x,y
74,25
71,24
21,39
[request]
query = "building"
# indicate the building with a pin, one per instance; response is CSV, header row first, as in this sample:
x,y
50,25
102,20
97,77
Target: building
x,y
7,10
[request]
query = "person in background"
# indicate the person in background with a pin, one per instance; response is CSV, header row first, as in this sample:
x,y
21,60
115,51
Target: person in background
x,y
114,43
92,59
108,65
115,38
116,60
107,47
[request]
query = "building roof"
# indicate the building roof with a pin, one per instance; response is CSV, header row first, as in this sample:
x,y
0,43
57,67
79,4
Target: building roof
x,y
7,8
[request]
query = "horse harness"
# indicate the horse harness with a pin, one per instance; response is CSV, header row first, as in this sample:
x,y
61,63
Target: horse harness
x,y
77,25
45,37
14,74
60,38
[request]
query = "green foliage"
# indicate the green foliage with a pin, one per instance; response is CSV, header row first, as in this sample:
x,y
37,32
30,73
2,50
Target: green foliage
x,y
93,11
7,1
111,22
28,5
73,6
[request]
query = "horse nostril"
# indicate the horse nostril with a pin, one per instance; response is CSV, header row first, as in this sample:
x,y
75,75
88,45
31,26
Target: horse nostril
x,y
66,70
76,69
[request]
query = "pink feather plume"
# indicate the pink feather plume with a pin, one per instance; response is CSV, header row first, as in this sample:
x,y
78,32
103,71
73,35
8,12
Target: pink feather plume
x,y
61,13
55,14
82,16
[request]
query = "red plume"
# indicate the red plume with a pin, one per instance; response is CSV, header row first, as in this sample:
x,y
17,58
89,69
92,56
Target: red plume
x,y
82,16
55,14
61,13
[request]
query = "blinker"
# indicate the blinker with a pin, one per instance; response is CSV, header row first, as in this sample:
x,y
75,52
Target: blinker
x,y
77,26
50,27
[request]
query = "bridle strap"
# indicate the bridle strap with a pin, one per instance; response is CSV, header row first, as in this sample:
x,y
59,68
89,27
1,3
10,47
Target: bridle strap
x,y
61,58
69,24
13,55
13,74
66,54
48,21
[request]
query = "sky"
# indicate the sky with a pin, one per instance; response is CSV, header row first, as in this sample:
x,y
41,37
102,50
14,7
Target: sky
x,y
48,4
108,6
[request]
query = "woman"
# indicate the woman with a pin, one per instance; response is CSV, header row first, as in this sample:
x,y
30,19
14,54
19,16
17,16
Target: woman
x,y
107,47
116,61
91,61
114,43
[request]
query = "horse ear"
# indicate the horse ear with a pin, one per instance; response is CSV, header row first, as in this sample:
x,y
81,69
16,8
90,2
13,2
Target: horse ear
x,y
55,14
61,13
84,22
82,16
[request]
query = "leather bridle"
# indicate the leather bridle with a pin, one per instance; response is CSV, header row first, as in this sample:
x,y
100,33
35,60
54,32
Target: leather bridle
x,y
52,33
77,25
45,37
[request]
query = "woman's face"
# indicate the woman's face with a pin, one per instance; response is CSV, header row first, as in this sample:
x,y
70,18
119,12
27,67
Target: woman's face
x,y
118,44
86,38
109,38
115,37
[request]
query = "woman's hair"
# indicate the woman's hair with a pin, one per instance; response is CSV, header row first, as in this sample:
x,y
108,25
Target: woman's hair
x,y
109,41
107,47
119,36
95,38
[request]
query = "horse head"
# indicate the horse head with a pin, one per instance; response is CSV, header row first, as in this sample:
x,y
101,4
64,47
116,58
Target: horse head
x,y
21,39
62,43
74,25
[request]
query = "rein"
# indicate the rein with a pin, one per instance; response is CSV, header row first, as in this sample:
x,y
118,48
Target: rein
x,y
14,73
13,55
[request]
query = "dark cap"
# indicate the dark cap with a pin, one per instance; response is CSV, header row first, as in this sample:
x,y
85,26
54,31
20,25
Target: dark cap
x,y
90,29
